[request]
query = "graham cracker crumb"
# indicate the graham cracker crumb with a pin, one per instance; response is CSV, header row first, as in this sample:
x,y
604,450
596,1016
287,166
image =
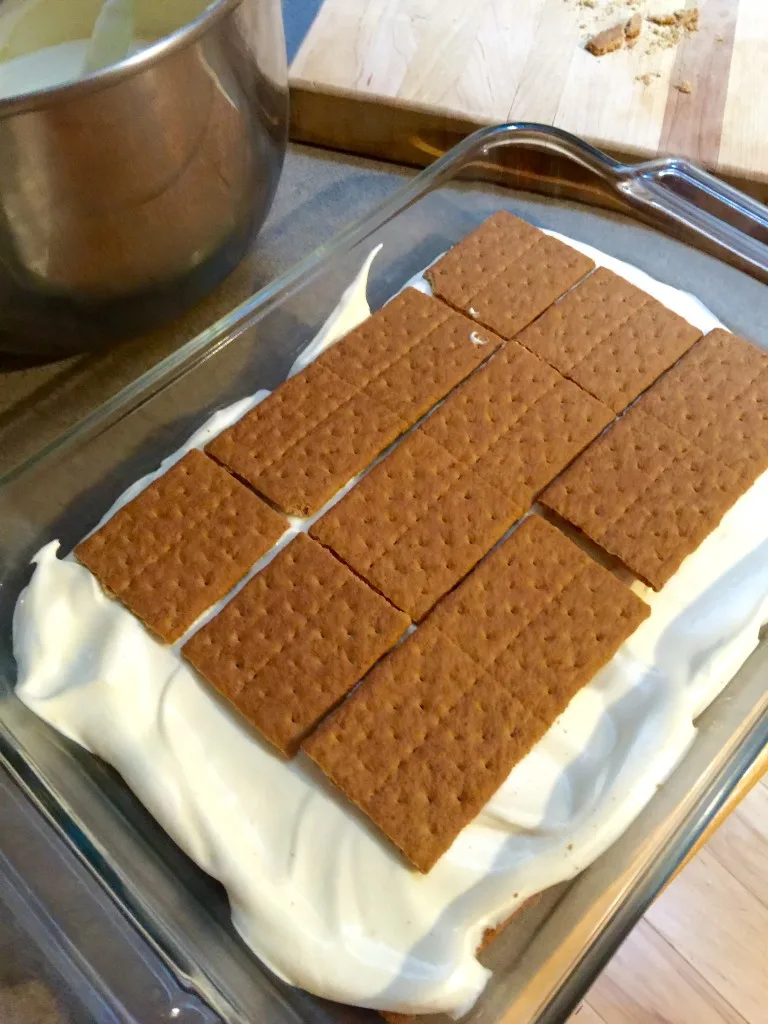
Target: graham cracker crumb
x,y
634,26
689,19
685,87
626,27
686,18
607,41
667,30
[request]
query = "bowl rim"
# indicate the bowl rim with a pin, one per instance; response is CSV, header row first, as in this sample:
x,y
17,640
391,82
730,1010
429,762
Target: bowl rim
x,y
130,66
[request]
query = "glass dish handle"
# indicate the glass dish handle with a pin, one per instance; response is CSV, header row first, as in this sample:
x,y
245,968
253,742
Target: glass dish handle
x,y
707,212
672,195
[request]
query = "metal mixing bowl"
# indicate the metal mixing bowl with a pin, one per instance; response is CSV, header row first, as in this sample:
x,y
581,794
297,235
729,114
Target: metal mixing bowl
x,y
126,196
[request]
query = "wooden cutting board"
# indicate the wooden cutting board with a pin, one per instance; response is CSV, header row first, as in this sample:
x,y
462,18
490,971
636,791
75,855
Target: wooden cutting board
x,y
382,77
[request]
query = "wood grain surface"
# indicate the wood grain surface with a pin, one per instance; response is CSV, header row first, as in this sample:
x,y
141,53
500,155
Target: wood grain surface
x,y
698,955
369,76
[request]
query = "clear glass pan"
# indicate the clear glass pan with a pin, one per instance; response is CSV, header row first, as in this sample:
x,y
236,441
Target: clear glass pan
x,y
547,958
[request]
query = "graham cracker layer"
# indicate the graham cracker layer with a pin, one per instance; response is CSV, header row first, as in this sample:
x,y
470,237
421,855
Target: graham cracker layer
x,y
294,641
656,484
181,544
433,731
506,273
326,424
609,337
418,522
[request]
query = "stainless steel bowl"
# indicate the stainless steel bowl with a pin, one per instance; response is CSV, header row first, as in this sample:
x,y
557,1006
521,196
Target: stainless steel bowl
x,y
126,196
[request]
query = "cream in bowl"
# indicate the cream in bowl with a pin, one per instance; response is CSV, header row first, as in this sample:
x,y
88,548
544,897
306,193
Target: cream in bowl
x,y
47,43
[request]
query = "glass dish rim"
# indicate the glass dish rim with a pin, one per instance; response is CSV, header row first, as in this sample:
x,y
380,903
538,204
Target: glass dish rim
x,y
228,328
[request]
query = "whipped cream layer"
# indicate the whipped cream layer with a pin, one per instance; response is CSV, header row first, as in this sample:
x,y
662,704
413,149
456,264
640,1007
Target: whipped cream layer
x,y
315,891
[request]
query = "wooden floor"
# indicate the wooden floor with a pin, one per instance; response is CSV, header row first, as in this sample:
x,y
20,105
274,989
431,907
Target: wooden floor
x,y
700,954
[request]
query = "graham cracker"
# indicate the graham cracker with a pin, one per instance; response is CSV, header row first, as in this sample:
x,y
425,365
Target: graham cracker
x,y
647,496
609,337
634,26
425,515
656,484
717,398
433,731
294,641
326,424
608,40
506,273
181,544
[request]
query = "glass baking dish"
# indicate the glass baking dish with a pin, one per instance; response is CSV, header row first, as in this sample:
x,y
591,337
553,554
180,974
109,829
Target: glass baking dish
x,y
547,958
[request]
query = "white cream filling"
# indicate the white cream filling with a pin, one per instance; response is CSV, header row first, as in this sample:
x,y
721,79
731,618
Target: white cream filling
x,y
48,43
51,66
315,891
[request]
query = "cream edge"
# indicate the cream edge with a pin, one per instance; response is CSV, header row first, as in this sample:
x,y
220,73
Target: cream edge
x,y
315,892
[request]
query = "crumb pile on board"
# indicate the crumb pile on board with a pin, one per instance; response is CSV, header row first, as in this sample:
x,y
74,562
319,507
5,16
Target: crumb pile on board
x,y
624,33
617,24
